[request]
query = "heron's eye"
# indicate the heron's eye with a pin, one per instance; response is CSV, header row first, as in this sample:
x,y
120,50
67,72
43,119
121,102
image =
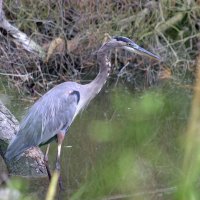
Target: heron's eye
x,y
129,44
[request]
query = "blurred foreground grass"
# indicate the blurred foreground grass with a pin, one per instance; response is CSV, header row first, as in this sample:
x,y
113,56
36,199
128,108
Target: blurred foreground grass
x,y
144,150
143,147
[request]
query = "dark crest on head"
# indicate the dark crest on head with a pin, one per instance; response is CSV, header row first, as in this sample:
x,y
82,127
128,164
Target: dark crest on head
x,y
123,39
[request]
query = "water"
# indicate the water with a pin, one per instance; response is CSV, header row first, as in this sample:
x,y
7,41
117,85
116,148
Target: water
x,y
126,143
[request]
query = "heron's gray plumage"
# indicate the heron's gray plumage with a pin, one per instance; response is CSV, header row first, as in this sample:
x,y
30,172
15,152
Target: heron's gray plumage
x,y
54,112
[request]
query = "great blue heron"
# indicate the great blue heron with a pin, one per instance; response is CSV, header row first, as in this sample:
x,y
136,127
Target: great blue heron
x,y
51,115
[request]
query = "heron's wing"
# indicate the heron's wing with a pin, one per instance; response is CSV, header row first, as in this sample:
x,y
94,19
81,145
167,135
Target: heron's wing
x,y
59,116
55,114
51,114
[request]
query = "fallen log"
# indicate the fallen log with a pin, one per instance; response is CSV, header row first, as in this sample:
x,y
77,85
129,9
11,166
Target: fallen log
x,y
31,162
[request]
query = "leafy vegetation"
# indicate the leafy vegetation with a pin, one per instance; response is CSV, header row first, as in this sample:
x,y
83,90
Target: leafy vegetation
x,y
168,28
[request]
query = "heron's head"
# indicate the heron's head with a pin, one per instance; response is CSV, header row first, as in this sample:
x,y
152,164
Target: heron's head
x,y
131,46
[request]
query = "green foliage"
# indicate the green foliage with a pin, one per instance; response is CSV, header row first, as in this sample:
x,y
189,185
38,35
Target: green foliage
x,y
18,184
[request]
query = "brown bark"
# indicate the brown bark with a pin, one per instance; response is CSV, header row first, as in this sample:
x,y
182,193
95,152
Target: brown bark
x,y
31,163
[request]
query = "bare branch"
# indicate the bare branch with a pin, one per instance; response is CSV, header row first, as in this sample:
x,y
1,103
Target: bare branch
x,y
1,3
20,37
170,22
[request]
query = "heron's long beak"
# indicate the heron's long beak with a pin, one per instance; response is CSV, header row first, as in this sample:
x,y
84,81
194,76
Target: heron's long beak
x,y
139,50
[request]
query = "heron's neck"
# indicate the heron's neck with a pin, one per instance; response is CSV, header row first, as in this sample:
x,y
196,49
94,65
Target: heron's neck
x,y
104,67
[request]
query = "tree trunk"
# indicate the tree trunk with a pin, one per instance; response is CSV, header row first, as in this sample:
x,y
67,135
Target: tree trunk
x,y
31,162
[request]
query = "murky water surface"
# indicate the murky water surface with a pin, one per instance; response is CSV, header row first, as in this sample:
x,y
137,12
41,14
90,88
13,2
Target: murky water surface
x,y
125,142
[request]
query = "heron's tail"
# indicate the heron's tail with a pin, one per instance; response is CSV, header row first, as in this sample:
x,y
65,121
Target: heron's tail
x,y
16,148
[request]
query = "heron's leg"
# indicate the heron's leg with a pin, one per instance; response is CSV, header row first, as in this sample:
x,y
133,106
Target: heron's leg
x,y
60,138
46,161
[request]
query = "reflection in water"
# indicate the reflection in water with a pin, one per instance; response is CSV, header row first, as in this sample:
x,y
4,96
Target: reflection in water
x,y
123,143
